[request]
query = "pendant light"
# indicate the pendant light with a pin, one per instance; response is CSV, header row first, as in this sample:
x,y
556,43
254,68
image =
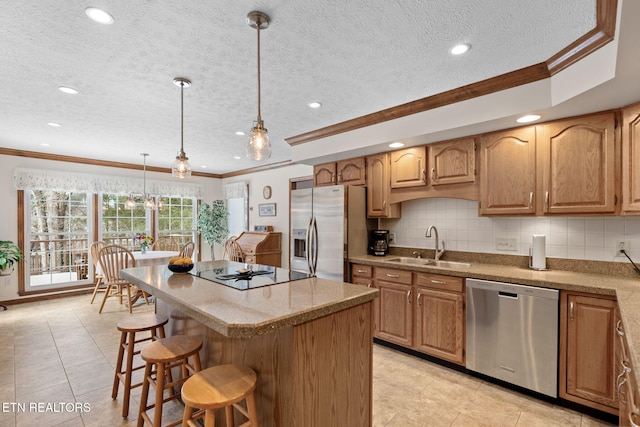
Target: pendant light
x,y
181,168
149,201
258,147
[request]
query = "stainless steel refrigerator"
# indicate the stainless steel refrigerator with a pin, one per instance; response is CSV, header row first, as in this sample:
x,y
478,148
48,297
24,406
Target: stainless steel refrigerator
x,y
328,224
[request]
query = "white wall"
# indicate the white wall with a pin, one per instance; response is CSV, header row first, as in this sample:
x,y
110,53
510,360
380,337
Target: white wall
x,y
278,179
8,195
458,223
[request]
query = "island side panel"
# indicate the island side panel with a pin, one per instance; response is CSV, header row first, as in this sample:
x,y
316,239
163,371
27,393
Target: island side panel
x,y
318,373
333,362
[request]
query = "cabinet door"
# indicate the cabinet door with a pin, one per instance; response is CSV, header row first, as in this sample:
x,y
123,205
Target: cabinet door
x,y
578,165
368,282
378,187
440,324
352,171
324,174
589,356
508,172
453,162
396,318
408,167
631,158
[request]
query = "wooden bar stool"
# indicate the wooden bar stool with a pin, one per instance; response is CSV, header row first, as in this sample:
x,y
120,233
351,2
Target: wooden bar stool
x,y
128,329
163,355
222,386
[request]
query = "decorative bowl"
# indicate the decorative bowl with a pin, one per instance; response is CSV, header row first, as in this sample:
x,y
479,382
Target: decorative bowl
x,y
180,268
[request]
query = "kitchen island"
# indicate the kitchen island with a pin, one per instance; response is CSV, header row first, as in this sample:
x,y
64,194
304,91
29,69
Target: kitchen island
x,y
309,340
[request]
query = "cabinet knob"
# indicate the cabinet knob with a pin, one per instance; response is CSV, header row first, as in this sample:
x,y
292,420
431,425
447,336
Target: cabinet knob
x,y
433,174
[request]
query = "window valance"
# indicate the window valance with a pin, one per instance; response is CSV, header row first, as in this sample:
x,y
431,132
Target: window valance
x,y
41,179
236,190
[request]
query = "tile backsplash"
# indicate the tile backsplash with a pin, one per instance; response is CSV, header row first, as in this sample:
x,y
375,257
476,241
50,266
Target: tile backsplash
x,y
460,227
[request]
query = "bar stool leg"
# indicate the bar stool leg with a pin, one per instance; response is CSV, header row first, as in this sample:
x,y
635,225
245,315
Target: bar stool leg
x,y
116,378
157,413
228,413
127,377
145,393
251,409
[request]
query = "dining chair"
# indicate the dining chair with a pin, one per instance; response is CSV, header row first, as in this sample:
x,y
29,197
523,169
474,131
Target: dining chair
x,y
114,258
165,243
187,250
98,278
232,250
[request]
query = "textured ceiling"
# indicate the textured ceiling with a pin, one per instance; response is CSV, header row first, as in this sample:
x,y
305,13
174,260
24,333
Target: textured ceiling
x,y
355,57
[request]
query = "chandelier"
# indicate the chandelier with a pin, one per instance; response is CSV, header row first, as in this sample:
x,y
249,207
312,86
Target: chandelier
x,y
149,201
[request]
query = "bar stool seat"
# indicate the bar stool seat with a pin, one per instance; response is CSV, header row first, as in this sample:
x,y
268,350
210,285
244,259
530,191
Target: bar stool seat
x,y
128,328
163,355
222,386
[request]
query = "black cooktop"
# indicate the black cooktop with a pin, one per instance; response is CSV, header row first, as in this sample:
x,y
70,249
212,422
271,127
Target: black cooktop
x,y
249,276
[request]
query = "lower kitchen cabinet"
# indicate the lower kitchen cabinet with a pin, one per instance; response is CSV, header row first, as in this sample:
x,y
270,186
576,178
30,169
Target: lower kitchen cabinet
x,y
439,319
395,323
363,275
587,362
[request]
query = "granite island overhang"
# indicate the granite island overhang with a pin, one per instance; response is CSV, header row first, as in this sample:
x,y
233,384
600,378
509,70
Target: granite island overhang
x,y
309,340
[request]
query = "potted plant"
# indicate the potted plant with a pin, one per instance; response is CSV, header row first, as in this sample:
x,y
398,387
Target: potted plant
x,y
212,223
10,254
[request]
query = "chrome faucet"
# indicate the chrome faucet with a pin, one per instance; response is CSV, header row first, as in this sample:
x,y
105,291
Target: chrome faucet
x,y
439,252
416,254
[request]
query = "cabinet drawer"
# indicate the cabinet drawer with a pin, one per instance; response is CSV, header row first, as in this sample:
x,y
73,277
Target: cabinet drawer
x,y
358,270
437,281
391,275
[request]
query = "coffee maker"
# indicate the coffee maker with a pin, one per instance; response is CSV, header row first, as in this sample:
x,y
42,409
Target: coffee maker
x,y
378,242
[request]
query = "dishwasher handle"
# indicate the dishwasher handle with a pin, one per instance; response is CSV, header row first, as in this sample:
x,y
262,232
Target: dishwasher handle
x,y
507,295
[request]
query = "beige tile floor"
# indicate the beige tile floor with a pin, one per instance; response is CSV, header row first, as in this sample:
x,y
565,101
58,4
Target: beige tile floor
x,y
58,353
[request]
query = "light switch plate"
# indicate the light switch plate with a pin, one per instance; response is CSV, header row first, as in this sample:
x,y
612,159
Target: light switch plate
x,y
392,237
506,244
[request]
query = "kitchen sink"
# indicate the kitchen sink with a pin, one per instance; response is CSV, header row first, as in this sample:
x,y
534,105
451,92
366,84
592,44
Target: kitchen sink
x,y
431,262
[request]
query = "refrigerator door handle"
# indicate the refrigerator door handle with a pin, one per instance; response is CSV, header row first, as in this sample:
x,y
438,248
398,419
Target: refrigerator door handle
x,y
314,245
307,252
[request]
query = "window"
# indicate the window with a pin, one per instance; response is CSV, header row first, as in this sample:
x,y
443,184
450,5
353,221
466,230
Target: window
x,y
57,239
120,225
176,222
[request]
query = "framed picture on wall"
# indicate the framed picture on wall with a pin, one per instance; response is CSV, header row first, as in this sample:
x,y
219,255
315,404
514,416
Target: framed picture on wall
x,y
267,209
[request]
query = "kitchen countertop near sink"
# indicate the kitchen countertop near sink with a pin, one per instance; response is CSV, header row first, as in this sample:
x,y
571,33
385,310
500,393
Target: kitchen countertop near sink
x,y
604,278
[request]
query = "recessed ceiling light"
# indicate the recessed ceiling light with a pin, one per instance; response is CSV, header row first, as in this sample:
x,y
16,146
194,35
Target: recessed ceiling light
x,y
240,133
99,15
237,157
460,49
45,144
203,166
68,90
396,145
528,118
315,105
54,124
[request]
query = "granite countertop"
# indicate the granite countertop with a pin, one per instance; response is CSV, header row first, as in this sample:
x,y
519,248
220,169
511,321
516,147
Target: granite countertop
x,y
625,287
247,313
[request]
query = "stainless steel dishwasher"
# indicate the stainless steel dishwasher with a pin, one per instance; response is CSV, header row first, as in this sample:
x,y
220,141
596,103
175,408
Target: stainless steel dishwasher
x,y
512,334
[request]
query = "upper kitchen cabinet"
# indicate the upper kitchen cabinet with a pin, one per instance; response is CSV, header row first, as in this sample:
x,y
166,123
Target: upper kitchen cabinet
x,y
348,172
409,167
631,159
508,172
453,162
578,164
378,188
324,174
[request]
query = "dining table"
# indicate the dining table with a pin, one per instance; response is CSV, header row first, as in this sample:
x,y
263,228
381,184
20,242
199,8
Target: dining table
x,y
148,258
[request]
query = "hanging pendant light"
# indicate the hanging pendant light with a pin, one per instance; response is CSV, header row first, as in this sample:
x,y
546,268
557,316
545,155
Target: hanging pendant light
x,y
258,147
149,201
181,168
130,203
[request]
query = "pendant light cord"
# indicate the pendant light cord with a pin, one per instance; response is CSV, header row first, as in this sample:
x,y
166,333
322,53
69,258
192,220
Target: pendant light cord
x,y
144,175
182,119
258,30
